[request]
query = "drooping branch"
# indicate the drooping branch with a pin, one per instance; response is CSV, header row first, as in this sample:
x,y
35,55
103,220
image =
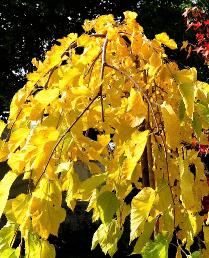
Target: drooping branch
x,y
102,74
63,136
149,155
90,69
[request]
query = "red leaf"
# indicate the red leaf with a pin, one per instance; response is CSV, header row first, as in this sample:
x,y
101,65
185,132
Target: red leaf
x,y
206,22
200,37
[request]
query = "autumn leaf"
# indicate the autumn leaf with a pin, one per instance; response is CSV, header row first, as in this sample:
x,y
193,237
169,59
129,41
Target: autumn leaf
x,y
164,39
141,206
5,185
172,125
107,204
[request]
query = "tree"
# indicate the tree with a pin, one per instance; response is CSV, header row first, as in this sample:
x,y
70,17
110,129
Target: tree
x,y
145,110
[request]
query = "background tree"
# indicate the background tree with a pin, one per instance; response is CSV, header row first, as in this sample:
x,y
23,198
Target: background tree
x,y
29,28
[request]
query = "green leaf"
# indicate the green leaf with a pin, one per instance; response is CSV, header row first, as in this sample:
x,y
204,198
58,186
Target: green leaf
x,y
181,111
196,254
165,207
140,208
187,92
10,253
197,125
6,236
107,204
88,185
107,236
38,248
144,237
157,248
203,112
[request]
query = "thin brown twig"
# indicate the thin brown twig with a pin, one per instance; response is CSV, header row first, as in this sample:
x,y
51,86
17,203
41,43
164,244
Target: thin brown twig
x,y
149,155
92,64
63,136
102,74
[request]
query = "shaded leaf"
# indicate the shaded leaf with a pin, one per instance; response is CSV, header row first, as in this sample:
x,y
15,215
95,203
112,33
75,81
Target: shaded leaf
x,y
107,204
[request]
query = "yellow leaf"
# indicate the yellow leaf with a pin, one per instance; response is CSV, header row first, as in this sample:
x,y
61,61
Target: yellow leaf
x,y
145,236
107,204
136,43
187,183
184,44
133,150
107,237
188,94
2,126
36,247
186,76
172,126
45,97
16,211
82,90
46,217
18,160
88,186
130,15
155,63
166,209
17,138
141,206
5,185
103,139
164,39
206,236
186,80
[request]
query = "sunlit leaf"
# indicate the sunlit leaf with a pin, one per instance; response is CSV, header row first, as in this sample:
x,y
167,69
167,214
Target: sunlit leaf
x,y
107,236
164,39
5,186
157,248
36,247
140,208
172,126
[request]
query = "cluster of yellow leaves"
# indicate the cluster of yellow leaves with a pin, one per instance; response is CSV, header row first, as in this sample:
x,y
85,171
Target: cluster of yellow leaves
x,y
123,87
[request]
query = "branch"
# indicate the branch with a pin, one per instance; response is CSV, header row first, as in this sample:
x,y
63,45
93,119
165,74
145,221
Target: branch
x,y
63,136
90,69
149,155
102,73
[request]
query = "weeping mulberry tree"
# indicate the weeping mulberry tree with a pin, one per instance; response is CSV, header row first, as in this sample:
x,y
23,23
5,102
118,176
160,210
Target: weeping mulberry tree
x,y
145,110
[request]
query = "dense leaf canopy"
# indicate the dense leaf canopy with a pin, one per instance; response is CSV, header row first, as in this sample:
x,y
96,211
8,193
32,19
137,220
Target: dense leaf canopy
x,y
145,110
